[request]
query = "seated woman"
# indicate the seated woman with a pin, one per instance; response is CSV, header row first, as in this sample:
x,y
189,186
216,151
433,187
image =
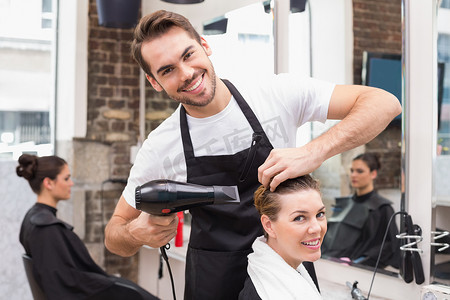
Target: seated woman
x,y
62,265
294,223
358,223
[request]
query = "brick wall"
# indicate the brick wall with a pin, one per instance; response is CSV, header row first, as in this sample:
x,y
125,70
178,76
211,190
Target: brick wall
x,y
112,121
113,91
377,28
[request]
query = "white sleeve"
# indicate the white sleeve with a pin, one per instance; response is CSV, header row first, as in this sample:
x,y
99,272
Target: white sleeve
x,y
301,99
146,160
306,98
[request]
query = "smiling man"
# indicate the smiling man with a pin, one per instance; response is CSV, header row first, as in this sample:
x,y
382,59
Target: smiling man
x,y
241,134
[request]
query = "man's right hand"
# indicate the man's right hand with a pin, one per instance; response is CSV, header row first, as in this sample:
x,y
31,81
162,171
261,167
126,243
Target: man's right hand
x,y
154,231
129,229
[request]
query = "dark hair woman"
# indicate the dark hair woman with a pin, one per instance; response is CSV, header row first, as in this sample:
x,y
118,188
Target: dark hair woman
x,y
359,222
62,265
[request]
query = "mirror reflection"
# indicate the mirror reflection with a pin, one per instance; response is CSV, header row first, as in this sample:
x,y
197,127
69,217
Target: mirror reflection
x,y
441,239
358,212
357,224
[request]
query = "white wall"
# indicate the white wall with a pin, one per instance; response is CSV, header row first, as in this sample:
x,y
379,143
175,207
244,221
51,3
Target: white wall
x,y
15,200
71,97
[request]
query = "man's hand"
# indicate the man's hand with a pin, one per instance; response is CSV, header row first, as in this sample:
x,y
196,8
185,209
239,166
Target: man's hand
x,y
286,163
154,231
129,229
364,111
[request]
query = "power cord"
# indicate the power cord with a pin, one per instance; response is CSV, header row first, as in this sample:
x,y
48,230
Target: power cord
x,y
381,249
166,258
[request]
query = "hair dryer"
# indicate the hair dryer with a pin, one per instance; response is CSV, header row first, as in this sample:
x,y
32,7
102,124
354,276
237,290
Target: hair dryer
x,y
162,197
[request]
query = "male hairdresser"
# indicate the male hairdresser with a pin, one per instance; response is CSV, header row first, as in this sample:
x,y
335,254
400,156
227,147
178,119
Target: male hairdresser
x,y
229,133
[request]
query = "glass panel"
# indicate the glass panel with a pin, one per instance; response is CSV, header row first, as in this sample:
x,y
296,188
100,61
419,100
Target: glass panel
x,y
361,194
443,94
248,42
441,259
26,78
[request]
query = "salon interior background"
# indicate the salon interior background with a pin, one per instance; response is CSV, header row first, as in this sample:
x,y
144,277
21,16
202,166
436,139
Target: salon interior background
x,y
112,112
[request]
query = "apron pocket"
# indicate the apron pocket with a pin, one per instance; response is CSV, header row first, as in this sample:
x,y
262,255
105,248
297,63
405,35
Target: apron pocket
x,y
215,274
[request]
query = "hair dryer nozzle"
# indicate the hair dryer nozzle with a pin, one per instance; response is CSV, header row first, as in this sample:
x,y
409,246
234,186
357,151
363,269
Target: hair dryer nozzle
x,y
226,194
162,197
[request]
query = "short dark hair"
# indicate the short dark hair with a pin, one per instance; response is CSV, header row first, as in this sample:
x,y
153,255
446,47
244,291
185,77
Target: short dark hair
x,y
154,25
36,169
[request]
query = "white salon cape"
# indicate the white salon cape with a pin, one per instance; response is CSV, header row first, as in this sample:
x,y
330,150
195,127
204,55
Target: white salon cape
x,y
274,279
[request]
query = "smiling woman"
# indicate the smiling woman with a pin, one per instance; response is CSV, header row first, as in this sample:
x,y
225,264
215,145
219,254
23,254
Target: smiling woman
x,y
294,223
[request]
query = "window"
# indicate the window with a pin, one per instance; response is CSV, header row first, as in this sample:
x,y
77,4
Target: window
x,y
47,14
248,43
26,77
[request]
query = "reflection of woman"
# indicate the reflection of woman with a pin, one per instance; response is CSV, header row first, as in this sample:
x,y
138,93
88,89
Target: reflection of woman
x,y
358,224
62,265
294,223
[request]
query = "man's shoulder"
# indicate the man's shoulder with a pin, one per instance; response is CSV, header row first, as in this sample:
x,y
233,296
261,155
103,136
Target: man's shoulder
x,y
167,127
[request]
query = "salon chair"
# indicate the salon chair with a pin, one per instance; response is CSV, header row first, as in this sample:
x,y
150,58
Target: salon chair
x,y
36,290
121,289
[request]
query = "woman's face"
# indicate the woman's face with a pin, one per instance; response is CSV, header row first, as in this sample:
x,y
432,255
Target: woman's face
x,y
360,174
61,185
298,232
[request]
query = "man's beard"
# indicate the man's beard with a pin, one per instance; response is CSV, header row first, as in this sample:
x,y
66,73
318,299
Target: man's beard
x,y
188,101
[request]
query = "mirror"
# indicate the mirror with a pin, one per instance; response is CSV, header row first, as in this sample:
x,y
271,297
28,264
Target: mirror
x,y
355,214
441,208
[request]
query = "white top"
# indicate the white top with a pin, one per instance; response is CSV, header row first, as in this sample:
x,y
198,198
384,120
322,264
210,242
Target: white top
x,y
274,279
282,103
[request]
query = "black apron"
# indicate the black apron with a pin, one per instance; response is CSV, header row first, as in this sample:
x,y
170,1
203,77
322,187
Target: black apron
x,y
222,235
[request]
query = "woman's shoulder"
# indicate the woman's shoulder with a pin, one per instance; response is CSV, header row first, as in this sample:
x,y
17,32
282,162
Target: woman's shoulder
x,y
249,291
377,201
44,217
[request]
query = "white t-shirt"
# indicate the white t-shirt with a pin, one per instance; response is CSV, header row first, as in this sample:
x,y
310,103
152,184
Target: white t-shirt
x,y
282,103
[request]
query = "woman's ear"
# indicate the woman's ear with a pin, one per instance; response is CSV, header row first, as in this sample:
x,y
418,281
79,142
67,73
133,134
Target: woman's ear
x,y
154,83
48,183
374,174
268,226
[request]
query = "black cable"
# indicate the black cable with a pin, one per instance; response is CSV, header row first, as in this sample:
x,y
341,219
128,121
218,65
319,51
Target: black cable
x,y
381,249
166,258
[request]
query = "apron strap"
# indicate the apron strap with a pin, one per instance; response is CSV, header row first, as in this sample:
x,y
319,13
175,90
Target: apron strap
x,y
185,136
246,110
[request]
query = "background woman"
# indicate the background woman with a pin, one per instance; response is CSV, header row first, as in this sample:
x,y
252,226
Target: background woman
x,y
62,265
294,222
358,223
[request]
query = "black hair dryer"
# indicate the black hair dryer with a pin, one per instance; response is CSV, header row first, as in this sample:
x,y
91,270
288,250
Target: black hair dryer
x,y
163,196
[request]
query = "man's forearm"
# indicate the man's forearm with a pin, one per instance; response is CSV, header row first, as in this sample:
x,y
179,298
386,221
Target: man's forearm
x,y
372,112
118,239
